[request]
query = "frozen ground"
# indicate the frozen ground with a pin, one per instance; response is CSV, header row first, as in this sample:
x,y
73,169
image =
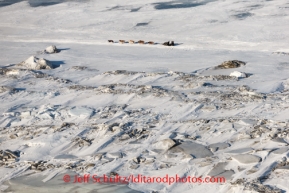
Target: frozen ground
x,y
146,109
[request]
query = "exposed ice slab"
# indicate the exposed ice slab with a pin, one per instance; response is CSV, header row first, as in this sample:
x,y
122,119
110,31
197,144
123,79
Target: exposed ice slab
x,y
81,112
194,149
218,146
242,150
219,170
281,150
65,156
247,158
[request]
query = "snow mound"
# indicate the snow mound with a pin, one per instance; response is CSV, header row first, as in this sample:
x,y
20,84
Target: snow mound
x,y
238,74
164,144
35,63
51,49
231,64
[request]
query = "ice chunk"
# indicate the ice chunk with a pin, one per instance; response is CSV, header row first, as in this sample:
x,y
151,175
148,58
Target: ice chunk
x,y
218,146
281,150
219,170
65,156
51,49
238,74
81,112
194,149
242,150
247,158
114,155
36,63
164,144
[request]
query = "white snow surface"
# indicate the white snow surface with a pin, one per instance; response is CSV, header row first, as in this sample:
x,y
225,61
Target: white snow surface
x,y
147,109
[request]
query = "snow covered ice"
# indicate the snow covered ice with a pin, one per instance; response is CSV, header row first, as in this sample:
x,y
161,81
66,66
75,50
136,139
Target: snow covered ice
x,y
51,49
36,63
214,104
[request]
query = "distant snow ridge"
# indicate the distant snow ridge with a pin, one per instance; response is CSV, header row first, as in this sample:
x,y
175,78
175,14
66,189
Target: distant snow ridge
x,y
281,53
36,63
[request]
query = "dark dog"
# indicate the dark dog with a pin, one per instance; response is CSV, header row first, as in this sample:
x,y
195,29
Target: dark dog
x,y
141,42
110,41
169,43
166,43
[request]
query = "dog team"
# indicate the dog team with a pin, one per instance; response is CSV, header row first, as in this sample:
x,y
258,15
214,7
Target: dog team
x,y
168,43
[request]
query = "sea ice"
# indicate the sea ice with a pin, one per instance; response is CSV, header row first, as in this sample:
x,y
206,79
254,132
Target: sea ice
x,y
194,149
81,112
247,158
